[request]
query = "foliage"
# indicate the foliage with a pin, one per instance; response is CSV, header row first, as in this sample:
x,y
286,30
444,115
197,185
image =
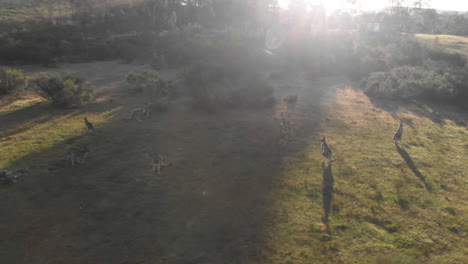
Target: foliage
x,y
237,84
408,82
12,80
453,59
149,82
65,91
377,55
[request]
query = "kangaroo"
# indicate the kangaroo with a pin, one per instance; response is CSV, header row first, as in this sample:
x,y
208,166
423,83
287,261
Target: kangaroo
x,y
88,124
398,134
137,114
285,129
157,161
77,155
326,151
147,110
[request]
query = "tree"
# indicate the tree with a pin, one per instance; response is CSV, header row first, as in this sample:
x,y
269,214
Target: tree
x,y
399,13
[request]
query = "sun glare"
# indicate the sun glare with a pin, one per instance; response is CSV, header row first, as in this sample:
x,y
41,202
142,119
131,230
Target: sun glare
x,y
329,5
374,5
335,5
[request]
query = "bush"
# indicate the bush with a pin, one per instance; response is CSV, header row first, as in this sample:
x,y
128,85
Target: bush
x,y
379,57
453,59
12,80
149,82
214,86
65,91
408,82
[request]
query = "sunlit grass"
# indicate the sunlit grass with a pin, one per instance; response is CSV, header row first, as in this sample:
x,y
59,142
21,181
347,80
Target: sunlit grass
x,y
43,132
379,205
19,104
457,44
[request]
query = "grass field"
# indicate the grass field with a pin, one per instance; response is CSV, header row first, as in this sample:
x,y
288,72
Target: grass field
x,y
403,204
456,44
232,195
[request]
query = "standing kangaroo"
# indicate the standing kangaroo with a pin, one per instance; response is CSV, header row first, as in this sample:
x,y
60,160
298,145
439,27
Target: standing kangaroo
x,y
88,124
137,114
398,134
77,155
326,150
157,161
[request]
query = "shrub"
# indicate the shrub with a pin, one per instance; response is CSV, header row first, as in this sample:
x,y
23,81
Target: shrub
x,y
368,57
65,91
418,82
12,80
453,59
149,82
214,86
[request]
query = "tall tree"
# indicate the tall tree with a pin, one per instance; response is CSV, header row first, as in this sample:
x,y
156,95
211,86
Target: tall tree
x,y
399,12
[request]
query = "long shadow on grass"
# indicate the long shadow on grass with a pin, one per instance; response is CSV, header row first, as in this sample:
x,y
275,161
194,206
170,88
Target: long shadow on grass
x,y
327,191
435,112
411,165
21,120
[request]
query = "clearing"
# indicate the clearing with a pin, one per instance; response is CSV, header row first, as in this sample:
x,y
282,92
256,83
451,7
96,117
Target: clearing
x,y
232,195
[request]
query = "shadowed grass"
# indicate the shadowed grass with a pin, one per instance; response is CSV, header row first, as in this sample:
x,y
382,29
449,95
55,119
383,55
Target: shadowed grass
x,y
210,206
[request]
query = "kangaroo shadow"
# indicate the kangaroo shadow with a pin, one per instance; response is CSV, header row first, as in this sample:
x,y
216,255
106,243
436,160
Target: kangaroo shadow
x,y
327,191
411,165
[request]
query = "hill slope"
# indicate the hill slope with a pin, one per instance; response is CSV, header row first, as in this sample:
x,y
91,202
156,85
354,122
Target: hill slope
x,y
232,195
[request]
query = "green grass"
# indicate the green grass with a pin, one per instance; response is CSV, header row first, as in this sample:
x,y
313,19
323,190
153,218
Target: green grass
x,y
379,204
232,195
11,12
19,9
